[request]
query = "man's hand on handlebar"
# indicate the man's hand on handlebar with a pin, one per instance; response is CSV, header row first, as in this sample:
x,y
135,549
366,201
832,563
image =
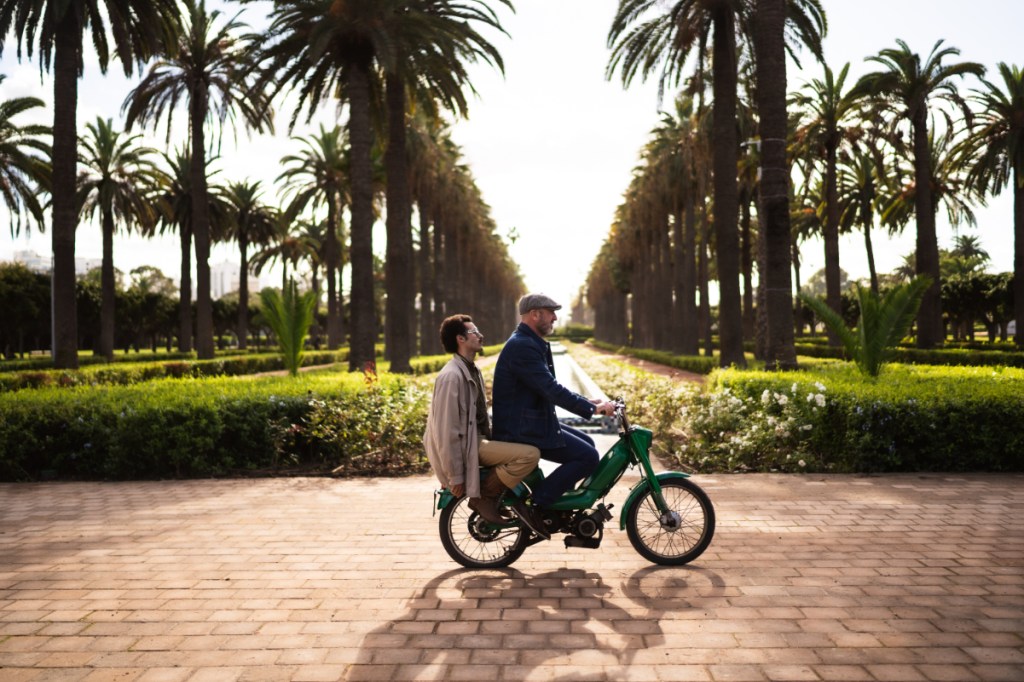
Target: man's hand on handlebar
x,y
605,408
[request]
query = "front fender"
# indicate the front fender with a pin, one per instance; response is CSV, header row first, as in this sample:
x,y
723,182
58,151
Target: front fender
x,y
642,486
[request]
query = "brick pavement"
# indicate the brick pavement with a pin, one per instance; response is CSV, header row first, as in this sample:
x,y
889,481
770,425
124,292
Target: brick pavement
x,y
917,577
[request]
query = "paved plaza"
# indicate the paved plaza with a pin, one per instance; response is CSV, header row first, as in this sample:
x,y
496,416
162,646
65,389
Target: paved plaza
x,y
912,577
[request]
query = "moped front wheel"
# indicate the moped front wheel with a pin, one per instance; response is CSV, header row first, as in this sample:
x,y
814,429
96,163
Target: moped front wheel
x,y
679,535
475,543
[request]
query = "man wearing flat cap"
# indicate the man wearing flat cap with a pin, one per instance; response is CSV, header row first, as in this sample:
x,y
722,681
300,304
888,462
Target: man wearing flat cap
x,y
525,394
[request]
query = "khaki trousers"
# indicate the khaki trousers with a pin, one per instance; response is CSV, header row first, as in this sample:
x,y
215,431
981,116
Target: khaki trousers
x,y
512,462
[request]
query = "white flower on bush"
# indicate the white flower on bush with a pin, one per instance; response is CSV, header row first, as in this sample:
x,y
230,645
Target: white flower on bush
x,y
766,397
820,386
819,398
793,389
802,463
782,399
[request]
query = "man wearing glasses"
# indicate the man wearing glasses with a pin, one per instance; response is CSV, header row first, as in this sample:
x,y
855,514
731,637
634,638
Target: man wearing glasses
x,y
458,436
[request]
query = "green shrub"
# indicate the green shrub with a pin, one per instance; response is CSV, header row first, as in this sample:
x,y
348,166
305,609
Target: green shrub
x,y
918,418
172,428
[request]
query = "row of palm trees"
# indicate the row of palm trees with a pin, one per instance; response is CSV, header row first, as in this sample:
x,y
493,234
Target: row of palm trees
x,y
861,152
379,59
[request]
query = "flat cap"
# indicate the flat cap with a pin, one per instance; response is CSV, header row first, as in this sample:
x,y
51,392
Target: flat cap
x,y
534,301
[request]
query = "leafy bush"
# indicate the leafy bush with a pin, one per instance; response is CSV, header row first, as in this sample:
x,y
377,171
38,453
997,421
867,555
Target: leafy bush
x,y
652,401
920,419
172,428
379,434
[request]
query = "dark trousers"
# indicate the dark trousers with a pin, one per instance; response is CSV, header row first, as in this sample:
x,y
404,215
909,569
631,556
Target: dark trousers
x,y
578,458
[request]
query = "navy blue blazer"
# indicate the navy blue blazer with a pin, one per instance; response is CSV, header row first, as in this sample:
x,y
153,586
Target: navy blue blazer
x,y
525,393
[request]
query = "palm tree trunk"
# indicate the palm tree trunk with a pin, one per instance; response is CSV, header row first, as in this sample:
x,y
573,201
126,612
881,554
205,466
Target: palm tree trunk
x,y
332,258
201,226
929,318
64,317
798,320
107,288
730,315
398,267
677,330
426,272
703,277
771,74
691,333
243,293
747,267
185,296
833,293
1018,256
364,324
870,250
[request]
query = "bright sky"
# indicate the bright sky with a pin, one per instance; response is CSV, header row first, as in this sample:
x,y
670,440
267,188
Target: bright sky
x,y
552,144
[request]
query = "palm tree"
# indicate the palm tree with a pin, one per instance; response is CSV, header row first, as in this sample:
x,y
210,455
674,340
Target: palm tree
x,y
883,322
23,174
769,44
857,192
948,187
318,48
252,223
832,121
176,211
666,39
118,181
138,27
287,248
436,38
907,86
994,149
318,177
207,67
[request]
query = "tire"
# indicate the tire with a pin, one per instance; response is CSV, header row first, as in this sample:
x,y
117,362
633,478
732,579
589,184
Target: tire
x,y
685,537
474,543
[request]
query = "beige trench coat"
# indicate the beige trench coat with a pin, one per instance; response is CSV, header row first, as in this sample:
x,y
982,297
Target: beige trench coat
x,y
451,438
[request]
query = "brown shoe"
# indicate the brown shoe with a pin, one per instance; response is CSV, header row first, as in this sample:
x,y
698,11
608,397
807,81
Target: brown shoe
x,y
531,518
487,504
487,509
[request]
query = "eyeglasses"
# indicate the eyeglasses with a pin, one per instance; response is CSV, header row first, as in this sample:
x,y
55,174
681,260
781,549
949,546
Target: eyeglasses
x,y
474,332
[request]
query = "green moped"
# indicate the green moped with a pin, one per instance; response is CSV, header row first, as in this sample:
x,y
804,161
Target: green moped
x,y
669,519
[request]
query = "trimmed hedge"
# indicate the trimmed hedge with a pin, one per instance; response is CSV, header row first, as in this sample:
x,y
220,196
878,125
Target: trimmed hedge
x,y
124,373
172,428
913,418
973,357
698,364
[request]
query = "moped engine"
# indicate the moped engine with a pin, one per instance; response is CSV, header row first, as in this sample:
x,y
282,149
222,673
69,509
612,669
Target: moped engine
x,y
587,528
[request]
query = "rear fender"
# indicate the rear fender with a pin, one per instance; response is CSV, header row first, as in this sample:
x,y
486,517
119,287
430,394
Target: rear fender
x,y
639,490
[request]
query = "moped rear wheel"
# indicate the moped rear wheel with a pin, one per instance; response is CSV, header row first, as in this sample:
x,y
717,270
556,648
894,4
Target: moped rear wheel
x,y
681,534
475,543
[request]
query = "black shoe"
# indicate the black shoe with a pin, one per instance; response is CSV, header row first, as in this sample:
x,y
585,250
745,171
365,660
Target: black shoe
x,y
532,518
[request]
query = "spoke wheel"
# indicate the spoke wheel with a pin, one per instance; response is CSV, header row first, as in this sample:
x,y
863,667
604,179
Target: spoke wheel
x,y
475,543
681,534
